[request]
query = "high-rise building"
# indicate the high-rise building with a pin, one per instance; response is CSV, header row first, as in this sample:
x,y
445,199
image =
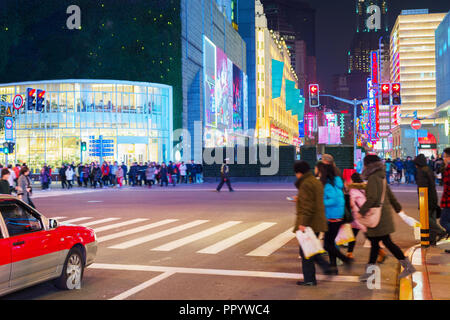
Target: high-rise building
x,y
413,64
442,111
276,82
371,25
295,22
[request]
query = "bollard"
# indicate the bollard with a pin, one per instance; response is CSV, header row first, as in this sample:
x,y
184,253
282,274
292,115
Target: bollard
x,y
424,218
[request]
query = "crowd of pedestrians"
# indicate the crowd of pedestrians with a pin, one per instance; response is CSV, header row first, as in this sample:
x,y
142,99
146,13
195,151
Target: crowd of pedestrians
x,y
405,170
17,180
113,174
324,203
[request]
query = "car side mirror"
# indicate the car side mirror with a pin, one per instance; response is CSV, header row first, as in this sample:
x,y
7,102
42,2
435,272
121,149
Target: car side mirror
x,y
52,223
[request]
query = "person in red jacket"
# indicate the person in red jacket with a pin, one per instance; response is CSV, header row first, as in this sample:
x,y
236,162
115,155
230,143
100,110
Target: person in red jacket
x,y
105,173
445,201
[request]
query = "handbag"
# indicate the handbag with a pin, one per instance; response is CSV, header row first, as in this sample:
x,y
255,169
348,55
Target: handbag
x,y
309,243
372,218
345,235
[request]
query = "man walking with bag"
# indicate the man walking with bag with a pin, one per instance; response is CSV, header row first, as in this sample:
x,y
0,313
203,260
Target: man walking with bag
x,y
224,176
310,212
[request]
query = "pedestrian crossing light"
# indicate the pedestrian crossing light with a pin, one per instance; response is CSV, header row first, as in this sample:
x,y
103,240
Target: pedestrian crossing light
x,y
83,146
5,148
314,95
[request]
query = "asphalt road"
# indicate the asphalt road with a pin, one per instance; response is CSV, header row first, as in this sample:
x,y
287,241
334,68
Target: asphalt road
x,y
189,242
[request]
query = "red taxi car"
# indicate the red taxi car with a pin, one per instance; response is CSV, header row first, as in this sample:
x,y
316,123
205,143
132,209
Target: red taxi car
x,y
35,249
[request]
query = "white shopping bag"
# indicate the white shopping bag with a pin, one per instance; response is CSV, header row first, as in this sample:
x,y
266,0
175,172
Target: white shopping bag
x,y
309,243
345,235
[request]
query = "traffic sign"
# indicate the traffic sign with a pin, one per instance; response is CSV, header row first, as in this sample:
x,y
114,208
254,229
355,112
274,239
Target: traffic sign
x,y
9,123
18,101
416,124
8,112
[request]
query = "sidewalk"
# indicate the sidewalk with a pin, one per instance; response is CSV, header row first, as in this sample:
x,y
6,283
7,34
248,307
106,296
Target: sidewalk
x,y
432,279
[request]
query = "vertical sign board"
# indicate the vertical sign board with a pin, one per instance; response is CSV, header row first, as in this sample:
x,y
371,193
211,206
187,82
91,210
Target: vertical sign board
x,y
374,67
372,124
9,129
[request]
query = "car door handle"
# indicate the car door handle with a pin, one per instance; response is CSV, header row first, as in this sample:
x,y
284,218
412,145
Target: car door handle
x,y
18,243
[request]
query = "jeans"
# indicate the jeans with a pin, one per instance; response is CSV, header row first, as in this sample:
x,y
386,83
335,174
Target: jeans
x,y
445,219
174,179
198,177
308,266
388,177
351,245
392,247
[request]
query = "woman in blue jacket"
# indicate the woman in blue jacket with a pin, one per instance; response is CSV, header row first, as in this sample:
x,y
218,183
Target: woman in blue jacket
x,y
334,202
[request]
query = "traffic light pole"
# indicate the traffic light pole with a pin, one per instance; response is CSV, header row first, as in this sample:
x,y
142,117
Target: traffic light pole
x,y
355,103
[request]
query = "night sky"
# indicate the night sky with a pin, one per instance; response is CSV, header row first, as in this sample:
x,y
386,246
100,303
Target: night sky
x,y
336,24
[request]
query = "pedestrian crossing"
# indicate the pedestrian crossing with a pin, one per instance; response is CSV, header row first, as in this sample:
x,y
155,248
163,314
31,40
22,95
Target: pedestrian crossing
x,y
121,234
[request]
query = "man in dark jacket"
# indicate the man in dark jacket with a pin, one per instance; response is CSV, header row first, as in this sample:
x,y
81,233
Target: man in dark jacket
x,y
224,176
4,184
310,213
62,176
133,173
425,179
125,172
410,170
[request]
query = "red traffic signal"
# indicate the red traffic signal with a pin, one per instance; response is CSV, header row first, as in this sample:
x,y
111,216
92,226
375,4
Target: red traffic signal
x,y
396,87
40,100
385,94
314,95
396,97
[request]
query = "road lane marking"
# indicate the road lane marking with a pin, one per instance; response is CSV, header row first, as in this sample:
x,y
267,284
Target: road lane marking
x,y
57,218
77,219
135,230
154,236
233,240
219,272
87,224
273,245
197,236
118,225
142,286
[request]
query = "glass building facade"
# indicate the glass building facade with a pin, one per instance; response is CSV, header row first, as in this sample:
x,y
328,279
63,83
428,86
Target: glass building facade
x,y
137,116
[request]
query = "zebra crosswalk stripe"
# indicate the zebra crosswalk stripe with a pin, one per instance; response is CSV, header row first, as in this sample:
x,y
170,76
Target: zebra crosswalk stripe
x,y
135,230
57,218
197,236
150,237
77,219
118,225
273,245
231,241
87,224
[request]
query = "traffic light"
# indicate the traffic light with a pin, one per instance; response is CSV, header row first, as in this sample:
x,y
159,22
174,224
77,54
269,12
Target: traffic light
x,y
5,147
396,97
40,100
11,147
30,98
314,95
83,146
385,94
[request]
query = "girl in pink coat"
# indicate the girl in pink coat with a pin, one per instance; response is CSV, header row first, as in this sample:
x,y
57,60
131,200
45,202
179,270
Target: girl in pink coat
x,y
357,194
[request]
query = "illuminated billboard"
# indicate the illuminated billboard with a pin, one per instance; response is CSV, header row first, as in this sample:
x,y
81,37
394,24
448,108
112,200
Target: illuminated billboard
x,y
226,98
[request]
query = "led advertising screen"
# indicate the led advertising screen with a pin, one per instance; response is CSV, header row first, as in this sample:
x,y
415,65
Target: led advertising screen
x,y
226,96
237,98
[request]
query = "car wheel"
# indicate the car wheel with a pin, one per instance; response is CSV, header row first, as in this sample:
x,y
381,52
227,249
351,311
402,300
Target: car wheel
x,y
72,273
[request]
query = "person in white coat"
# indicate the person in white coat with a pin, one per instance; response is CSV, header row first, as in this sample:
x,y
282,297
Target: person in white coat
x,y
69,176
